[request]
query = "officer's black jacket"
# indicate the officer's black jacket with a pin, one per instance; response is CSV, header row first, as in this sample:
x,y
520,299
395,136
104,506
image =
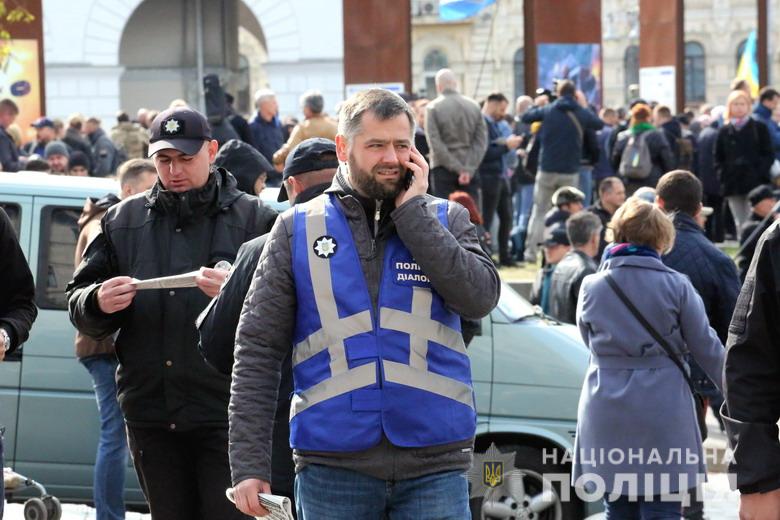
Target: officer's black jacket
x,y
752,371
162,379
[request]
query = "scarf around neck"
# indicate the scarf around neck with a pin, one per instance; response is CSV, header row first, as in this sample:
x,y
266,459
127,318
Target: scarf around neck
x,y
627,249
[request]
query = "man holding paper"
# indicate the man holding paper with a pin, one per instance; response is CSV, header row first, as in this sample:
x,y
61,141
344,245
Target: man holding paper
x,y
174,404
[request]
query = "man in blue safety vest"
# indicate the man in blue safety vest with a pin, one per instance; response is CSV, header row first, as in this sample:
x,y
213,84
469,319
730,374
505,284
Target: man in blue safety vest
x,y
366,285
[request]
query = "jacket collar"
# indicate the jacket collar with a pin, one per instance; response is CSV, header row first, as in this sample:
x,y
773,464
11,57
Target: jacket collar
x,y
762,111
643,262
217,194
684,222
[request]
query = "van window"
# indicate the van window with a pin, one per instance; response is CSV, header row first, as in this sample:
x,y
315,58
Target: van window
x,y
14,212
59,234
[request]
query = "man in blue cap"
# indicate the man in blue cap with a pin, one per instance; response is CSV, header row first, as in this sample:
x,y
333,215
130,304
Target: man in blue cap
x,y
174,404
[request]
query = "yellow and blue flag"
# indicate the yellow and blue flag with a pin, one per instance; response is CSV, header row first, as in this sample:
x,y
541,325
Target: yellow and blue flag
x,y
748,65
454,10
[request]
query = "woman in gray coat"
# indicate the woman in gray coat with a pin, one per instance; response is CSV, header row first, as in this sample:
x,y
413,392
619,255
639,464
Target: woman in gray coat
x,y
637,430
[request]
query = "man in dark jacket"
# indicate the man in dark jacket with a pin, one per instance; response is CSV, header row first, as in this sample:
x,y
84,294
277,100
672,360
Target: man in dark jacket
x,y
682,146
562,137
612,195
768,98
584,232
496,194
711,272
705,171
104,152
556,245
752,383
266,129
308,172
17,303
76,141
174,404
367,219
9,153
762,203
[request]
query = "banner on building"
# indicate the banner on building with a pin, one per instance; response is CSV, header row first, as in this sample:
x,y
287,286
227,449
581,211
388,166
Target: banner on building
x,y
578,62
20,79
658,84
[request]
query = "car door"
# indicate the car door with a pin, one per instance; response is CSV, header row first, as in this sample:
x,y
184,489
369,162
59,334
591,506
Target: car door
x,y
480,352
19,210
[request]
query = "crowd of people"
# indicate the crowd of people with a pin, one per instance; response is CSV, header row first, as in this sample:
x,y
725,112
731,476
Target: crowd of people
x,y
620,209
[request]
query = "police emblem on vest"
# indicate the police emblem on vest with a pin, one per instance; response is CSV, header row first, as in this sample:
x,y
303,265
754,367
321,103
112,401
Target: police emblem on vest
x,y
399,369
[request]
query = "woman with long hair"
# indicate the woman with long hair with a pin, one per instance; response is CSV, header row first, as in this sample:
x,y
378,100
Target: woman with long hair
x,y
743,155
637,426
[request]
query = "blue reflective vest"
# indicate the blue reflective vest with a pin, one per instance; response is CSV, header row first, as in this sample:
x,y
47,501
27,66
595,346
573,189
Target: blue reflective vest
x,y
359,372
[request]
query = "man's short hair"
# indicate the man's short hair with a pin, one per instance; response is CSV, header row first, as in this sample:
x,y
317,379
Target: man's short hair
x,y
94,121
681,191
313,100
497,97
445,80
122,117
607,112
380,102
130,171
767,94
608,184
663,111
263,94
7,105
581,227
566,87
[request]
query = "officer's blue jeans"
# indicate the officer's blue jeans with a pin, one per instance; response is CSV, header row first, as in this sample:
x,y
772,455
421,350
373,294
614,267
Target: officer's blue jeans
x,y
323,492
111,459
642,509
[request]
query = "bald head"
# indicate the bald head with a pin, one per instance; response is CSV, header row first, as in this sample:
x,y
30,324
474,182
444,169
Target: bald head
x,y
445,80
522,104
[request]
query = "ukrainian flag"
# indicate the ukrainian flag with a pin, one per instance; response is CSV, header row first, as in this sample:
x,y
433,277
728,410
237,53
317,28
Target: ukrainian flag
x,y
748,65
453,10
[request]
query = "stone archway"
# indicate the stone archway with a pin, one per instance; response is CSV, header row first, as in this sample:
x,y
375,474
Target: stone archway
x,y
154,66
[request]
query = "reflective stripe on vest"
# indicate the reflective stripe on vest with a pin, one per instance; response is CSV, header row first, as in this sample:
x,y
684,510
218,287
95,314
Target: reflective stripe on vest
x,y
334,329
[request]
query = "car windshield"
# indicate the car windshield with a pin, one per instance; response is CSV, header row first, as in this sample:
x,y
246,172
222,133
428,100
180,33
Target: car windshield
x,y
512,305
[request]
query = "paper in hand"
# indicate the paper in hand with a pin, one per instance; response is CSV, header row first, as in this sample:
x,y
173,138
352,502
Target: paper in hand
x,y
168,282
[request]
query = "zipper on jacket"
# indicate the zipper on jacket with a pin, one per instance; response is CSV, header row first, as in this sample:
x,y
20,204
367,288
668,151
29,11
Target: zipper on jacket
x,y
377,215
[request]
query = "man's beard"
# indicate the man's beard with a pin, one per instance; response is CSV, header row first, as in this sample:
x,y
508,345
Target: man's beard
x,y
366,183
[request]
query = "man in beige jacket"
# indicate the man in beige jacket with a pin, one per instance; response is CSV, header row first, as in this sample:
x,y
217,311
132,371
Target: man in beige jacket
x,y
315,124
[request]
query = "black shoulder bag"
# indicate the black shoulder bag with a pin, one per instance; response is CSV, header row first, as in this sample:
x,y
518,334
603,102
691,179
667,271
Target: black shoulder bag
x,y
701,408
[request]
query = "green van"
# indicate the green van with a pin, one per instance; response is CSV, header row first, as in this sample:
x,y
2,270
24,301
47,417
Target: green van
x,y
527,370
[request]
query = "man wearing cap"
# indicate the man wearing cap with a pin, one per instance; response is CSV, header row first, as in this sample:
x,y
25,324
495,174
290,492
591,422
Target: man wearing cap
x,y
555,246
364,287
762,203
56,154
566,202
44,133
308,172
174,404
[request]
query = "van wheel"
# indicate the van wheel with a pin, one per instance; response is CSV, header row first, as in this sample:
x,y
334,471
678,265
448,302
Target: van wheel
x,y
53,507
526,493
35,509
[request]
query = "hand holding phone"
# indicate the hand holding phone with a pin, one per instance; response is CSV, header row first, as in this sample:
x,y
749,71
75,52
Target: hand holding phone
x,y
415,177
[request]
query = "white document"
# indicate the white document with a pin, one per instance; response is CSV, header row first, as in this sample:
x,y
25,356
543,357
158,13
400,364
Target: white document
x,y
168,282
278,507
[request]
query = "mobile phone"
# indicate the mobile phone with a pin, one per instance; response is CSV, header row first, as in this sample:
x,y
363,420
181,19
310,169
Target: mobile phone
x,y
408,178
